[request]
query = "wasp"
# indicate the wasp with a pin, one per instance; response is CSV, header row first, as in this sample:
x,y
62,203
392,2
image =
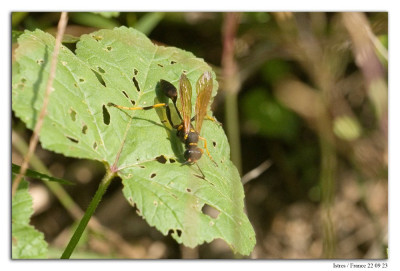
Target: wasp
x,y
188,134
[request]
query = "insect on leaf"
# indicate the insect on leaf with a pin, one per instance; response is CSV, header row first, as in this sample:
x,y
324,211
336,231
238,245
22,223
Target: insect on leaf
x,y
122,66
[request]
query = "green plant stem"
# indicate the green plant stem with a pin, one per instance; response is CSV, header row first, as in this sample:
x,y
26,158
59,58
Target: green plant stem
x,y
327,182
88,214
232,126
231,85
69,204
328,165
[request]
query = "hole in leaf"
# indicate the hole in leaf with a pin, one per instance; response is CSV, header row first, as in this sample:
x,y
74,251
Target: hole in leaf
x,y
210,211
81,80
161,159
160,65
99,77
40,61
74,140
135,72
141,166
126,95
95,146
72,114
172,160
173,62
101,70
84,129
106,115
178,232
170,232
153,175
214,143
188,190
75,85
109,48
136,83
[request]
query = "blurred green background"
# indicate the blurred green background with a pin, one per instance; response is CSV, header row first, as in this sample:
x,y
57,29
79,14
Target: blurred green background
x,y
303,99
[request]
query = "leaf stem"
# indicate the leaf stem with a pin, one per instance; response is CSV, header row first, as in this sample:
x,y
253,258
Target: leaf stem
x,y
88,214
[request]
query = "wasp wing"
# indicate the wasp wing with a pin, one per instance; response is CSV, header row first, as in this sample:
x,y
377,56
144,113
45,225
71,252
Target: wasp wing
x,y
185,91
204,87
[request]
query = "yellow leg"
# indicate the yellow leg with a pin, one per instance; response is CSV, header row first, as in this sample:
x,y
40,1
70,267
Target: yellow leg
x,y
214,120
207,117
138,107
146,108
205,147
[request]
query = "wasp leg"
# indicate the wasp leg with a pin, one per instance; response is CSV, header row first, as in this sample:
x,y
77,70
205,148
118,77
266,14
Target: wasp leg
x,y
138,107
168,111
209,118
205,147
214,120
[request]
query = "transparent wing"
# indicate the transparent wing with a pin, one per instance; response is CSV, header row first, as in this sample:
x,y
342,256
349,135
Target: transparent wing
x,y
185,91
204,87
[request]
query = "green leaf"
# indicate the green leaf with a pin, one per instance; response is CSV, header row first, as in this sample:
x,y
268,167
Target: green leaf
x,y
124,67
149,21
93,19
37,175
27,242
108,14
67,38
